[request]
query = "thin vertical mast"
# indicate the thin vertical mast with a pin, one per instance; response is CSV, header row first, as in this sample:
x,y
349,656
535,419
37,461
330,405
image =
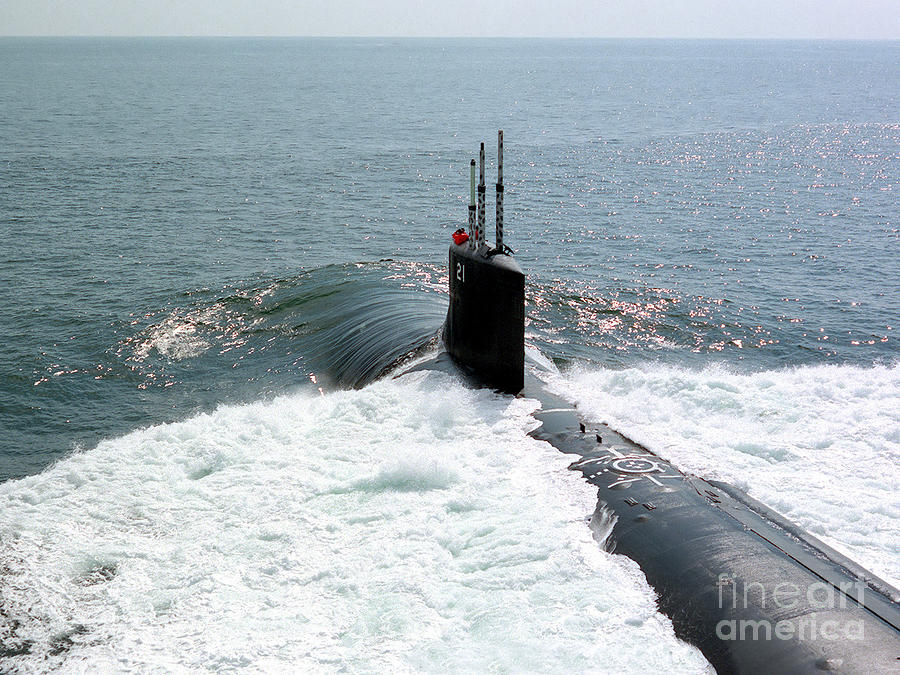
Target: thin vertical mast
x,y
472,203
500,190
479,230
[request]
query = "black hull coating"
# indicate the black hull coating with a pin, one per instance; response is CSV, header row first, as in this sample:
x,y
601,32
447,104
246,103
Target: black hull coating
x,y
485,327
755,593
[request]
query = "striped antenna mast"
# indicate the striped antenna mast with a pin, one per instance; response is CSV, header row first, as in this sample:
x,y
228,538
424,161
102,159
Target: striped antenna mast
x,y
472,204
479,229
500,190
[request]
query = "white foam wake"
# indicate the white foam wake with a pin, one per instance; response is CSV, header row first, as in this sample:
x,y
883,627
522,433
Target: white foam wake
x,y
408,526
819,444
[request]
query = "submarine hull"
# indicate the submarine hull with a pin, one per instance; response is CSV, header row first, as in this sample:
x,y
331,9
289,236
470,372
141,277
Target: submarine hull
x,y
752,591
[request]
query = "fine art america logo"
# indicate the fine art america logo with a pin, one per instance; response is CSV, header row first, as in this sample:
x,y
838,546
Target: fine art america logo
x,y
787,596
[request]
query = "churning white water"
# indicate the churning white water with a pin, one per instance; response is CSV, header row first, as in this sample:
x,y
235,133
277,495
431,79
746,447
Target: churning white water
x,y
411,525
819,444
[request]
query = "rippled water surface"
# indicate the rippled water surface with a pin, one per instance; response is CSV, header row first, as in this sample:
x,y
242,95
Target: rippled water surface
x,y
218,233
169,206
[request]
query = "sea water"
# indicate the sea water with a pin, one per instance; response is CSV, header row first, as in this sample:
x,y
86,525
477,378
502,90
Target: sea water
x,y
213,253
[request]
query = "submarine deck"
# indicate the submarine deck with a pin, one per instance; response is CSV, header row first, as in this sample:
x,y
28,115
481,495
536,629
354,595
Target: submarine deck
x,y
752,591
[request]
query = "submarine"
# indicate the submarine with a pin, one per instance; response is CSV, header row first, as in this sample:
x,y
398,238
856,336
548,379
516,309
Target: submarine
x,y
754,592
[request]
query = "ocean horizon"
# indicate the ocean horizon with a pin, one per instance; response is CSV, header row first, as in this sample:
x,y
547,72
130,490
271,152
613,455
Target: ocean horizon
x,y
217,252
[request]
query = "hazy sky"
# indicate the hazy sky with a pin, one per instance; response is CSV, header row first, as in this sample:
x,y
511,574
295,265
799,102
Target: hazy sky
x,y
552,18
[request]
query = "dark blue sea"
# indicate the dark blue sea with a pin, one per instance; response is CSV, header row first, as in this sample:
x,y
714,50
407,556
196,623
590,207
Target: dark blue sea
x,y
214,251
